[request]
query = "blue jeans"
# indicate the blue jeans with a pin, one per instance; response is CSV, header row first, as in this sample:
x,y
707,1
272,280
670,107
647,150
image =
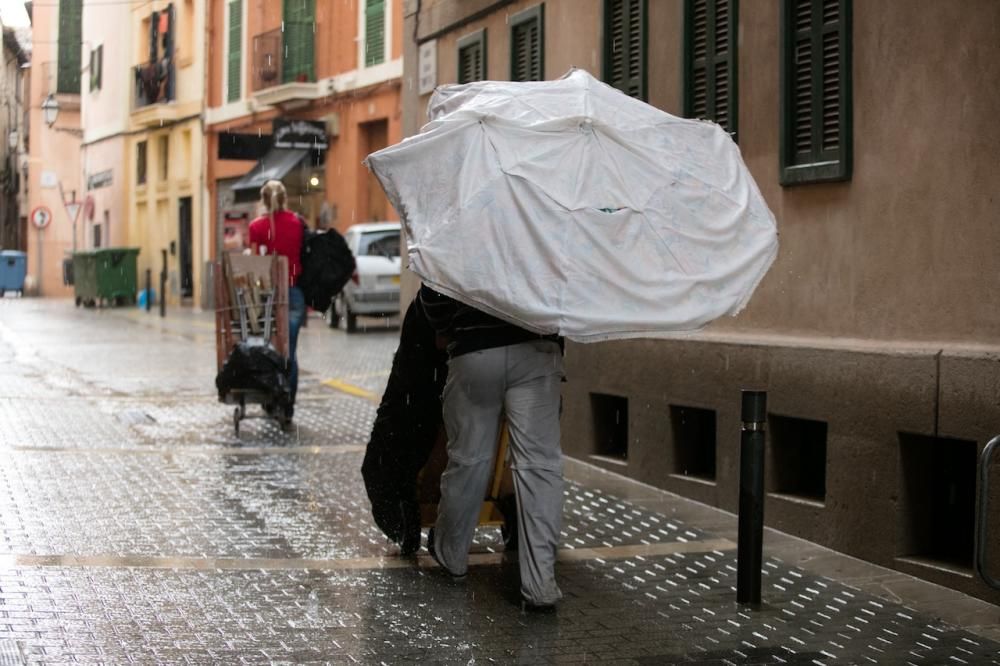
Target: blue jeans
x,y
296,314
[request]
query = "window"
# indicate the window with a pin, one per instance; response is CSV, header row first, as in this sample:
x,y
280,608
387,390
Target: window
x,y
527,45
710,65
68,74
816,126
163,153
625,46
299,40
472,57
234,63
140,163
96,67
374,32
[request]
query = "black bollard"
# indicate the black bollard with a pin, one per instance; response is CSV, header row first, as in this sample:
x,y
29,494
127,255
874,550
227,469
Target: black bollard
x,y
750,543
163,286
149,285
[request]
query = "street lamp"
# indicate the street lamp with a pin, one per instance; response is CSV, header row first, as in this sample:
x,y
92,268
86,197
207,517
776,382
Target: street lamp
x,y
50,110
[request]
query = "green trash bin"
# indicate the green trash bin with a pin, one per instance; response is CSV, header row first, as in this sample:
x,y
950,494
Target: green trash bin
x,y
106,276
85,278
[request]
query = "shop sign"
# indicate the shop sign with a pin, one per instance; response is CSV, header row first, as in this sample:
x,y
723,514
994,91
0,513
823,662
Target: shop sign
x,y
100,179
303,134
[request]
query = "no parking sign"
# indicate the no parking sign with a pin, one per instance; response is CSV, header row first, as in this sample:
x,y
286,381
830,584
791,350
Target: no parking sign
x,y
41,217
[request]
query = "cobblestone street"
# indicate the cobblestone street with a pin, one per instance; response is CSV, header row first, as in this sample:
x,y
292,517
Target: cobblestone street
x,y
137,527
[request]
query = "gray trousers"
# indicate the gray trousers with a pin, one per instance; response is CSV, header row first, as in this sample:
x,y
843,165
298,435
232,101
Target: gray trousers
x,y
523,382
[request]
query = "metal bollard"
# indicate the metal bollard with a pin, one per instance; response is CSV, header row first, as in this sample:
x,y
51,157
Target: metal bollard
x,y
750,542
149,285
163,286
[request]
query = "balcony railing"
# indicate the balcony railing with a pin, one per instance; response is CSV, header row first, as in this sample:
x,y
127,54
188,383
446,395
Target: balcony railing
x,y
267,59
284,55
154,82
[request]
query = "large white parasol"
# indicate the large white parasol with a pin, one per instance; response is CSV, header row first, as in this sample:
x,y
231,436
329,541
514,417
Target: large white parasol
x,y
567,206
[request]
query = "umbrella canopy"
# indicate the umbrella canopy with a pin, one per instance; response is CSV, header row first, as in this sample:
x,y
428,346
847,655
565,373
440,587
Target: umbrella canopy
x,y
567,206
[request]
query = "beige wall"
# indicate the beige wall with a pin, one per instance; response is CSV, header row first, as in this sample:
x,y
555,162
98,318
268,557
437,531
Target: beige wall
x,y
153,208
879,318
54,150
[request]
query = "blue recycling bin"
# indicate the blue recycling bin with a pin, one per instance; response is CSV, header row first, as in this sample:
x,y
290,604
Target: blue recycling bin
x,y
13,268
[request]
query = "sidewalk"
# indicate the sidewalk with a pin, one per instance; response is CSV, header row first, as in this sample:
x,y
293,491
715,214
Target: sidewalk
x,y
136,527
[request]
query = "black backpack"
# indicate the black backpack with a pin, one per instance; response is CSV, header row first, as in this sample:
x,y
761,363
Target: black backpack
x,y
327,265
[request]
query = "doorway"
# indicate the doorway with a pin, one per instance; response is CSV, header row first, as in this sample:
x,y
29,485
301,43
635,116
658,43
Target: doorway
x,y
185,253
375,207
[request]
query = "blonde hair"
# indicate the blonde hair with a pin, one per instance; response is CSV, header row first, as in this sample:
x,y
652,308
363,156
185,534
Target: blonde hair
x,y
273,195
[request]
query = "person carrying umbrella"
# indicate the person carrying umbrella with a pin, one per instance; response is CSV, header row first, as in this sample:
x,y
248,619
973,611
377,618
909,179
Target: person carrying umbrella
x,y
496,368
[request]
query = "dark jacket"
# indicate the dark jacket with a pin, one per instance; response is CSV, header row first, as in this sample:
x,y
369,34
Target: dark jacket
x,y
468,329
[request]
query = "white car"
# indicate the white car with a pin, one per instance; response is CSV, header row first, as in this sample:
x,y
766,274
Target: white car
x,y
373,290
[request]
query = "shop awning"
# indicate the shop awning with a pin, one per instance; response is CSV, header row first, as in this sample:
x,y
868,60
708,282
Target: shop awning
x,y
273,166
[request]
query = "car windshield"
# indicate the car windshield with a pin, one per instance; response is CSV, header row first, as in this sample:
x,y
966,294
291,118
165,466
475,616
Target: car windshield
x,y
379,244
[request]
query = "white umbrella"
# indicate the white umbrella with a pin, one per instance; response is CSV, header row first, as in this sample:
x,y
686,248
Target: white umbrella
x,y
567,206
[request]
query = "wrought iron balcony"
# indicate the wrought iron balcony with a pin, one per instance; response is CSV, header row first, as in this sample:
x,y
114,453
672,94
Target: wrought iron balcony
x,y
154,83
284,55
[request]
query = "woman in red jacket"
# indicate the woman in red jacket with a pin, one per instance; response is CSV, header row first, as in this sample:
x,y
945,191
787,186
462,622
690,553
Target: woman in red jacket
x,y
281,232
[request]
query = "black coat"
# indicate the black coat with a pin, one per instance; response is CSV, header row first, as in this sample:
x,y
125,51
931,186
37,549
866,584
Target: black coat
x,y
406,427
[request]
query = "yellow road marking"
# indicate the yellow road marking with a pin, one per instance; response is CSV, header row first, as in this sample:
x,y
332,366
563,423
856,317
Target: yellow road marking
x,y
351,389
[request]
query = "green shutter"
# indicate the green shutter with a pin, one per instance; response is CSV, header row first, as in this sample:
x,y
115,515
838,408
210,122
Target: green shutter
x,y
235,55
816,106
625,46
374,32
299,41
710,65
70,43
472,57
527,45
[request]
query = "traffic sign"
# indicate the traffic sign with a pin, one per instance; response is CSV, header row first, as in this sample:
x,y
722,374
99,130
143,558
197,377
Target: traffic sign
x,y
40,217
73,210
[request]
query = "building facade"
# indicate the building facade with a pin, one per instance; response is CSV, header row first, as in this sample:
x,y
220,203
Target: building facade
x,y
106,93
302,91
165,59
13,216
875,331
55,134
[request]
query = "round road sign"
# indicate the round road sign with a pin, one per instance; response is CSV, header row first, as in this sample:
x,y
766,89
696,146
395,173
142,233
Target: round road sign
x,y
41,216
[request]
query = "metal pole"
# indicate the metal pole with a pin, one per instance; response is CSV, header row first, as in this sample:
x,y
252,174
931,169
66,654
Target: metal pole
x,y
149,285
163,286
750,542
982,539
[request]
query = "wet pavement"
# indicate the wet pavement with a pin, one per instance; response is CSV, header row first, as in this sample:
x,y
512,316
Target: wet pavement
x,y
137,527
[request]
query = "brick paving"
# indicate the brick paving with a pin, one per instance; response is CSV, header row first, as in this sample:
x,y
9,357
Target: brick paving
x,y
136,527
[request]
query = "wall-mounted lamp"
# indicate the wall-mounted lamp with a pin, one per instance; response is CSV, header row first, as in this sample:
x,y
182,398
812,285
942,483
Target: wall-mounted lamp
x,y
12,139
50,110
314,180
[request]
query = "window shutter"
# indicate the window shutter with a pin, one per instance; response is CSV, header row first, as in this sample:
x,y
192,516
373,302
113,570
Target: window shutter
x,y
710,61
472,57
625,46
816,91
527,45
70,43
374,32
235,56
299,40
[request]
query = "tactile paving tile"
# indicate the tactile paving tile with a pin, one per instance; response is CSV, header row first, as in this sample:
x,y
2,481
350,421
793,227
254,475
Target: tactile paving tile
x,y
408,615
58,423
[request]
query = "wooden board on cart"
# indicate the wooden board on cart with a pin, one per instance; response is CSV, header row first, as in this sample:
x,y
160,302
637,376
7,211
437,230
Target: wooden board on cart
x,y
255,274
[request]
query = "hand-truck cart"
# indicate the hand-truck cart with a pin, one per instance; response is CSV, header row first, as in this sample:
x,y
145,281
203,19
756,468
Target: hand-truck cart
x,y
251,309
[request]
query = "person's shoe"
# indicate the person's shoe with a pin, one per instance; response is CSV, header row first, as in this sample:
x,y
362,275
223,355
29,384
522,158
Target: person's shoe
x,y
537,607
458,578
